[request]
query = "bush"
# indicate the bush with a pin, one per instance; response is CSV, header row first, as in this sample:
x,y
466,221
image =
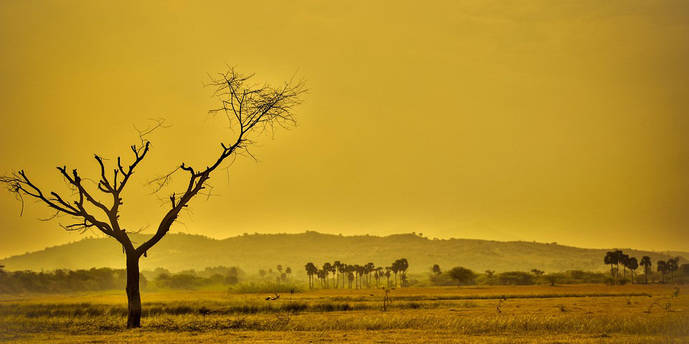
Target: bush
x,y
516,278
266,287
462,275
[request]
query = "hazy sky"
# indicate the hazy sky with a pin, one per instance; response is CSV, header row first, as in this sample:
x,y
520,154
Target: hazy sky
x,y
510,120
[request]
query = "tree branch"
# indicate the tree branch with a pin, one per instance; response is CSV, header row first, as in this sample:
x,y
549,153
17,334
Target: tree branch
x,y
250,110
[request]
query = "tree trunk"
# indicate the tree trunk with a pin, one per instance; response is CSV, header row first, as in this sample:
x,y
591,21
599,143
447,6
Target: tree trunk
x,y
133,293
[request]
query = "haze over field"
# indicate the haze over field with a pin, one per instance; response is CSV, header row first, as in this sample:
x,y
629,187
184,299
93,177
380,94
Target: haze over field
x,y
541,120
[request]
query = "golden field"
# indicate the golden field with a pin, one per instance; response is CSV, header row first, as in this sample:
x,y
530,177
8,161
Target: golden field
x,y
490,314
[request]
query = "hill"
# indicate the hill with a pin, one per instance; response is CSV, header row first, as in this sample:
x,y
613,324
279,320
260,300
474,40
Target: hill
x,y
262,251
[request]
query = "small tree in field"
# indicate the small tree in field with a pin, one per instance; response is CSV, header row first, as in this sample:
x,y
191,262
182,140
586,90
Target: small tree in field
x,y
250,109
436,269
462,275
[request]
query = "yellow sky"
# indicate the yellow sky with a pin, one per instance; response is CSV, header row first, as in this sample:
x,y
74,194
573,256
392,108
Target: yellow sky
x,y
532,120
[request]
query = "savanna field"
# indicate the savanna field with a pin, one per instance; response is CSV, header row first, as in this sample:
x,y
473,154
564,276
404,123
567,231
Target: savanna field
x,y
472,314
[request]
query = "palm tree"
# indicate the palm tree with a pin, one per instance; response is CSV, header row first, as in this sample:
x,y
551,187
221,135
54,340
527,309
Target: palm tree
x,y
310,271
395,269
368,268
646,263
624,260
326,271
404,265
672,265
342,269
321,277
662,268
360,275
618,260
633,264
350,277
337,265
333,270
379,274
611,258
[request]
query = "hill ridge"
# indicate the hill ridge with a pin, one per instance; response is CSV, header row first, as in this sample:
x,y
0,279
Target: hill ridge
x,y
181,251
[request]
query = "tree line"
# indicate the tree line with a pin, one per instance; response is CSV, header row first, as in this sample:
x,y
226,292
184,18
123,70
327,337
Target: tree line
x,y
282,274
463,276
59,281
97,279
357,276
618,258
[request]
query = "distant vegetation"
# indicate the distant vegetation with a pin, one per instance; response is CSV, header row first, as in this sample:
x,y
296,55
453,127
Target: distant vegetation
x,y
191,279
331,275
61,281
463,276
361,276
618,258
622,270
666,271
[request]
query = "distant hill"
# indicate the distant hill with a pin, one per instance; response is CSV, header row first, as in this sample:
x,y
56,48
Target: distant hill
x,y
262,251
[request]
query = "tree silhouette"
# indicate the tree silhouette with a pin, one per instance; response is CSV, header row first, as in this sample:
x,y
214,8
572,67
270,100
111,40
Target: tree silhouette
x,y
359,272
646,263
436,270
403,266
326,271
368,268
632,264
251,110
611,258
281,276
336,266
342,269
618,260
672,265
379,275
311,270
662,268
624,260
462,275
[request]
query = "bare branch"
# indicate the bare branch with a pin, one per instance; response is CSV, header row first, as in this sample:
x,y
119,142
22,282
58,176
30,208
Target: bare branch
x,y
250,110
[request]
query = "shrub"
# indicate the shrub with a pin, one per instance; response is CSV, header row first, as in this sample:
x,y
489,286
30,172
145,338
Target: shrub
x,y
266,287
516,278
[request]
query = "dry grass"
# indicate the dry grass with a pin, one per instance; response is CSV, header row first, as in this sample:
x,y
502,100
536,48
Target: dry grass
x,y
529,314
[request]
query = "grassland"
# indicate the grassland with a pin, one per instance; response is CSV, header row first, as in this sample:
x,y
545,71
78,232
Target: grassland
x,y
528,314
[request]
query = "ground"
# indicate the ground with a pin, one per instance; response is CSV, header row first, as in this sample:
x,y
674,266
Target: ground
x,y
501,314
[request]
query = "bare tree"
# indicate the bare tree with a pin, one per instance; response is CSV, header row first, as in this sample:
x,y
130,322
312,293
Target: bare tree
x,y
251,110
